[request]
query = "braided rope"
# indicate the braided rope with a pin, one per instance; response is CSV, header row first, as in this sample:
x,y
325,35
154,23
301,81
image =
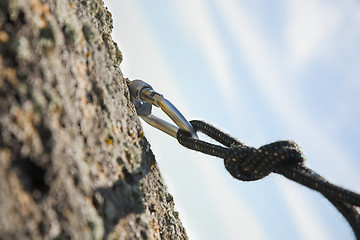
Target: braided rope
x,y
283,157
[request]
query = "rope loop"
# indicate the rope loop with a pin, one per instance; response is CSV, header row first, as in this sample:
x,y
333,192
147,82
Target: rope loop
x,y
249,164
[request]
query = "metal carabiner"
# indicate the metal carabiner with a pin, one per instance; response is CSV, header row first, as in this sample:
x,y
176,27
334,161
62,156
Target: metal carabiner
x,y
144,97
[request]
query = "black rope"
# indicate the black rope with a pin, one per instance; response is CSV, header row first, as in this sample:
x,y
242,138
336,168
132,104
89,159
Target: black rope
x,y
283,157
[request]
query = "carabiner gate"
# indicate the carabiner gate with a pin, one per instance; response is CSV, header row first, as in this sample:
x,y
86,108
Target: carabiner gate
x,y
144,97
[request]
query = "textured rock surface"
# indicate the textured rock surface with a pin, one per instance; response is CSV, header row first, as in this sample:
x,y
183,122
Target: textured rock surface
x,y
73,161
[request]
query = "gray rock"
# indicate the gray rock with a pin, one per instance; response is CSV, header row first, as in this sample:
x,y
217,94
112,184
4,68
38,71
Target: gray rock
x,y
74,163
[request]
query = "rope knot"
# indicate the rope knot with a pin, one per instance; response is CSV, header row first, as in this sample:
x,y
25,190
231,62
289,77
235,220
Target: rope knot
x,y
249,164
283,157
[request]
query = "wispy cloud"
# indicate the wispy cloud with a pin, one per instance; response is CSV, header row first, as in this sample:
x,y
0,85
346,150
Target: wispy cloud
x,y
143,56
200,26
309,26
270,76
305,37
309,224
272,80
147,61
248,226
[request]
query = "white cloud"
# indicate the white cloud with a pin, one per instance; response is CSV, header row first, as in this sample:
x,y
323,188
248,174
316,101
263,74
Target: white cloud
x,y
272,80
239,218
309,224
142,54
309,26
199,27
143,58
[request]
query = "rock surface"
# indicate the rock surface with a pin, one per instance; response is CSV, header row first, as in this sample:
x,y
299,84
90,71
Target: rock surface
x,y
73,160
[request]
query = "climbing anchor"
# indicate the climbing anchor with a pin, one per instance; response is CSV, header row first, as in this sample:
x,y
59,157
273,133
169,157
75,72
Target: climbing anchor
x,y
144,97
244,162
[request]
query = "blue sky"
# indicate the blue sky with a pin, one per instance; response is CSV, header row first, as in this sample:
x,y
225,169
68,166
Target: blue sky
x,y
262,71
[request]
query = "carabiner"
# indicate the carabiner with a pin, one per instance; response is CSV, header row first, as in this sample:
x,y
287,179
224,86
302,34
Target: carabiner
x,y
144,97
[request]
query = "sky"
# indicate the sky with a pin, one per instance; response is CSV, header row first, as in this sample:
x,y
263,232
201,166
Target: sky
x,y
262,71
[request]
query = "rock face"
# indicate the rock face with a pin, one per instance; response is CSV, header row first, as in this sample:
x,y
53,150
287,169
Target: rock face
x,y
74,163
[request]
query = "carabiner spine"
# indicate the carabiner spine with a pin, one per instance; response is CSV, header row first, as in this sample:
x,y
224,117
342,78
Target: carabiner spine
x,y
160,124
177,117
